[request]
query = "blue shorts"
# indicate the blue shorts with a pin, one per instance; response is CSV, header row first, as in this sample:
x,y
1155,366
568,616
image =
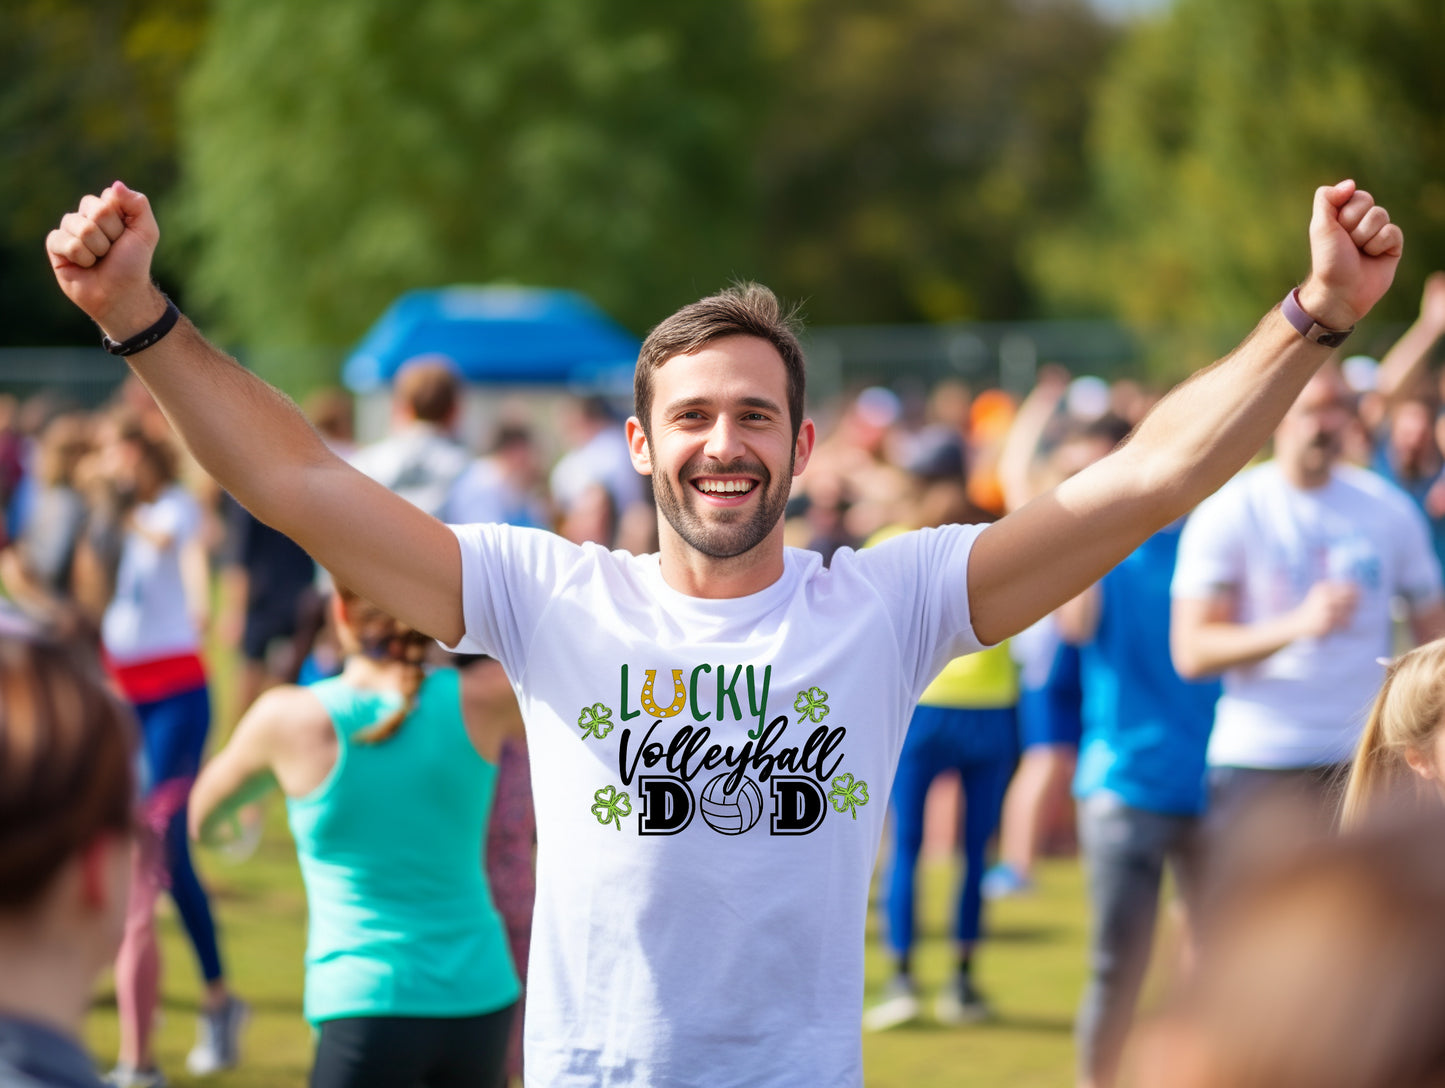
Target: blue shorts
x,y
1053,712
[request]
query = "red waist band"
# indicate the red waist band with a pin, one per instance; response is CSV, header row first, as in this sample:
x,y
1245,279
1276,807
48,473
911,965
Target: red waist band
x,y
149,681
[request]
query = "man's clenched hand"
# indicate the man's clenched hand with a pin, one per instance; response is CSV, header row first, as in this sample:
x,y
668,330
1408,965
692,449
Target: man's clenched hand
x,y
101,255
1354,250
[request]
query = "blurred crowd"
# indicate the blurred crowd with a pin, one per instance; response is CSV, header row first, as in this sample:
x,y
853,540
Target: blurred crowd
x,y
71,479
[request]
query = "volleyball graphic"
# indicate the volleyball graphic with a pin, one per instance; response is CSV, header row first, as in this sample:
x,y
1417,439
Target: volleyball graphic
x,y
731,813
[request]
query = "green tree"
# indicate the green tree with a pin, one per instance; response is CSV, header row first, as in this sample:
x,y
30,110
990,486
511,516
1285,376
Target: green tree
x,y
340,152
1215,125
88,97
913,147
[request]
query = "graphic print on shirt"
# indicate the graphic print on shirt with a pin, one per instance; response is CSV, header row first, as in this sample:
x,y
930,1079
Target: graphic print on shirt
x,y
609,806
675,776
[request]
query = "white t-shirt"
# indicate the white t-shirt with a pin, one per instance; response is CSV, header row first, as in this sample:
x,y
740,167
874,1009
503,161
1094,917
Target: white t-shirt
x,y
690,930
148,617
420,463
483,493
1269,542
603,459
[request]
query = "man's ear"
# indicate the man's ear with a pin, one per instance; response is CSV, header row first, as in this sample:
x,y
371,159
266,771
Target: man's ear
x,y
803,447
638,446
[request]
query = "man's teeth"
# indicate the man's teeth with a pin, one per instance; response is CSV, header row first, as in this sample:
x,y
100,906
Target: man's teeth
x,y
723,487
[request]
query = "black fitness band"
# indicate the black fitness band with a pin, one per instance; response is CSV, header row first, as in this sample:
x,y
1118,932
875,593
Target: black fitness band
x,y
146,337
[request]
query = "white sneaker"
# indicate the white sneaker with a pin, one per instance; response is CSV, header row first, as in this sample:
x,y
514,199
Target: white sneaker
x,y
218,1038
128,1076
899,1006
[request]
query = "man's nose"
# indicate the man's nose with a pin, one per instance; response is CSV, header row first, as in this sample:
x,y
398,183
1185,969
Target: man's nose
x,y
724,440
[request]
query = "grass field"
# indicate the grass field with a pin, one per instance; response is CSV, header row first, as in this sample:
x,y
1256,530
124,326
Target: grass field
x,y
1031,969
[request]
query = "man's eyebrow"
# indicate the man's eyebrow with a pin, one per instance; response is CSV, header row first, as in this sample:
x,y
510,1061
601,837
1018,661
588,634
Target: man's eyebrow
x,y
683,404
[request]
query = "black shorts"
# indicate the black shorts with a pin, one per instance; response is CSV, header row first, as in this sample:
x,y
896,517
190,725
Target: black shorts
x,y
402,1051
264,626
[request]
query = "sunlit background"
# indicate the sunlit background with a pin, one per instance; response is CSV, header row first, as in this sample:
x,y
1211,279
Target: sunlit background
x,y
1143,166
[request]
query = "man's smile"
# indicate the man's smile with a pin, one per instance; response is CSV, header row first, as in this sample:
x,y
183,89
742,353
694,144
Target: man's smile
x,y
715,487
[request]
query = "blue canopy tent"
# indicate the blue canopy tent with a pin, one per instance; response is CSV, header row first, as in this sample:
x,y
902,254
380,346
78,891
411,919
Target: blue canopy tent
x,y
527,336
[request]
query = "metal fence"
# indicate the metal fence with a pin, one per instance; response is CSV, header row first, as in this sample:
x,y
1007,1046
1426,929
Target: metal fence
x,y
81,377
1003,354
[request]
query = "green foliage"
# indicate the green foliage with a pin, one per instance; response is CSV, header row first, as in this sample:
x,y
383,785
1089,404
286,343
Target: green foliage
x,y
1214,127
934,161
340,152
911,147
334,154
88,97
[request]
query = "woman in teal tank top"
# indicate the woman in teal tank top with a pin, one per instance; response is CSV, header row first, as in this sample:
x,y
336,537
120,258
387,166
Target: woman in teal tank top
x,y
389,771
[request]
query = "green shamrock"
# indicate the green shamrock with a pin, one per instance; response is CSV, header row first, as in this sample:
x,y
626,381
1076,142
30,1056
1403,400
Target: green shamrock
x,y
847,794
596,720
612,805
812,704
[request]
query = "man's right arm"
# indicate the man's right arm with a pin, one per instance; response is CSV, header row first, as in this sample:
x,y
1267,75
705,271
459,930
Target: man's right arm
x,y
1039,556
1205,638
249,436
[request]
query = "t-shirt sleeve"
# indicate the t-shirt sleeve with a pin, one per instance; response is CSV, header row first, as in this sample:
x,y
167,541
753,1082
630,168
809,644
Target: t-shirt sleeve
x,y
1211,550
922,578
508,574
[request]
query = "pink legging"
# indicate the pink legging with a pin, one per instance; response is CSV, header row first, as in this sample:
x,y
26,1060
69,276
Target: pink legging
x,y
138,963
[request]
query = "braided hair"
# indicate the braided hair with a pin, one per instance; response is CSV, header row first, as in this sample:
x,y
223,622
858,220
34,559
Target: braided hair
x,y
384,638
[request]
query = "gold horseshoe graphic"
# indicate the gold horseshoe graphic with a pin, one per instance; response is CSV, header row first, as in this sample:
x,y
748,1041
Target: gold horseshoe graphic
x,y
679,691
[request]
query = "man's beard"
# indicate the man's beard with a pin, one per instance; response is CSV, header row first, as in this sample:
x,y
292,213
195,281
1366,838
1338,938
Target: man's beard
x,y
727,532
1323,450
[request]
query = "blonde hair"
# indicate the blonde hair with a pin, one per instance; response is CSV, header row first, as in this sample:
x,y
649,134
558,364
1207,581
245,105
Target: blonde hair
x,y
382,637
1404,718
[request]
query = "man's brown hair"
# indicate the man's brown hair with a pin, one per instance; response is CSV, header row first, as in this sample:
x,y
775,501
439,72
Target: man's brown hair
x,y
745,309
429,387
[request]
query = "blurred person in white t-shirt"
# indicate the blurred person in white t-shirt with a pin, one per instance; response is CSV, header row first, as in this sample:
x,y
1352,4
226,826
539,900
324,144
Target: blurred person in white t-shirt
x,y
1285,585
421,458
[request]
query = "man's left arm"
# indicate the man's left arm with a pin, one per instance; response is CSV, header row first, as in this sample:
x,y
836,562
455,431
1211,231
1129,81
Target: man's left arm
x,y
1195,439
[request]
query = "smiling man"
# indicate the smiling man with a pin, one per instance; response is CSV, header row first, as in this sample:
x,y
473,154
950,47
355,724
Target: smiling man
x,y
721,431
714,728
